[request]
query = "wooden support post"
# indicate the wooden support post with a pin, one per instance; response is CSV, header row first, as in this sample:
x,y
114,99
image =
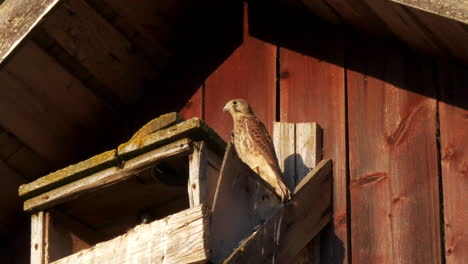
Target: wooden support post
x,y
38,236
197,179
292,227
242,203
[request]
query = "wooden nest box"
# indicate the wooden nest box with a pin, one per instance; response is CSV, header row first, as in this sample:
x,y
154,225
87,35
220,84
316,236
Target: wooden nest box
x,y
169,196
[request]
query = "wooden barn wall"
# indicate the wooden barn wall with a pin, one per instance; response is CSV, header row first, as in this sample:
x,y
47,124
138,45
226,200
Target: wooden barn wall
x,y
394,124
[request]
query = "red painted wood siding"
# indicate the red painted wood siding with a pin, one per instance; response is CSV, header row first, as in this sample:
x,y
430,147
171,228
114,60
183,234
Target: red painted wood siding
x,y
454,152
249,73
393,159
378,108
313,91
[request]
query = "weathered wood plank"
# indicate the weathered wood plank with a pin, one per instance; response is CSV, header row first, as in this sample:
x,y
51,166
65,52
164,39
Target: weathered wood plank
x,y
288,231
308,148
98,46
196,186
453,109
453,9
394,186
106,177
313,90
284,139
242,202
69,174
249,73
308,154
38,221
18,18
158,123
178,238
194,129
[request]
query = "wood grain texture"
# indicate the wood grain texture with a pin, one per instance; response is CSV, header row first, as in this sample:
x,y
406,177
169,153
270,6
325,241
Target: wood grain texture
x,y
280,238
106,177
178,238
394,186
197,180
38,222
453,9
284,140
98,46
453,110
18,19
243,201
313,90
250,74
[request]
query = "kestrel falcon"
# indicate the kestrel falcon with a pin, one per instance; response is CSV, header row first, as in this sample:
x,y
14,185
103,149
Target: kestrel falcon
x,y
254,146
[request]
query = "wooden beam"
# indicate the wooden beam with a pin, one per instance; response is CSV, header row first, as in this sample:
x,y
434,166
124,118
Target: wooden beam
x,y
178,238
106,177
17,19
38,234
292,227
453,9
100,48
242,203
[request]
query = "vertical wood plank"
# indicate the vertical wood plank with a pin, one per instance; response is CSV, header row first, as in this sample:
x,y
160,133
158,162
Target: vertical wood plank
x,y
453,110
308,155
313,90
284,141
249,73
38,235
393,157
194,106
197,176
308,148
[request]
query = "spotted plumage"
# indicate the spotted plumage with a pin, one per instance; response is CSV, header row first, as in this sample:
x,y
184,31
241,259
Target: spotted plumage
x,y
254,146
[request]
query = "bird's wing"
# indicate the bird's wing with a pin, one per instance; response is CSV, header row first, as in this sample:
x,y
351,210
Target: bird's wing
x,y
262,141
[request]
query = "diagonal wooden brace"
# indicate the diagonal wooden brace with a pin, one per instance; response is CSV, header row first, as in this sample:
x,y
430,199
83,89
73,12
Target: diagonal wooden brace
x,y
280,238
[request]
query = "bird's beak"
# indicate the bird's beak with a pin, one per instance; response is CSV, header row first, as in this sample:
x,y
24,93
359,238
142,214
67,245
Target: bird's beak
x,y
226,109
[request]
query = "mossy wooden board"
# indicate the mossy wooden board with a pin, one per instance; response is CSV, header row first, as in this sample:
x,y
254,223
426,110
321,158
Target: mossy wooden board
x,y
194,129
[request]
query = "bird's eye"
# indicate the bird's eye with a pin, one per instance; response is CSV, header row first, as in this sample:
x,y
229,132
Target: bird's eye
x,y
234,102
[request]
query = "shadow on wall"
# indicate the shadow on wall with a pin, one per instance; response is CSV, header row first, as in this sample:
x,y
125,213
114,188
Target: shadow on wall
x,y
336,253
291,25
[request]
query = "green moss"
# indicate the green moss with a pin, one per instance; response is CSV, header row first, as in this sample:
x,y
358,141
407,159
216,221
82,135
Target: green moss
x,y
194,129
71,173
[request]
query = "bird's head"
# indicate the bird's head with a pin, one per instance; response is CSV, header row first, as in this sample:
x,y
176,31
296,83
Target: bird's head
x,y
238,106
